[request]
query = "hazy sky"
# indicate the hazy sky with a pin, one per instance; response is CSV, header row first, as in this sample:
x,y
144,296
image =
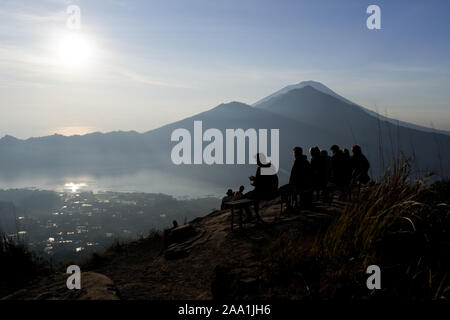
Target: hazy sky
x,y
148,63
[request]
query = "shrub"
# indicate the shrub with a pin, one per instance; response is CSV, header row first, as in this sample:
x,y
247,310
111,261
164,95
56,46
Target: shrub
x,y
18,266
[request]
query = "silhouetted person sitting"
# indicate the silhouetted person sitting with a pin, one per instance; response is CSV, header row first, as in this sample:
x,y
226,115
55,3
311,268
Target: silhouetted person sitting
x,y
266,185
360,166
175,224
227,198
301,177
238,195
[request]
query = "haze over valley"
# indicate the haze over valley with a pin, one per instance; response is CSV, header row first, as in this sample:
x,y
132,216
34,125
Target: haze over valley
x,y
306,114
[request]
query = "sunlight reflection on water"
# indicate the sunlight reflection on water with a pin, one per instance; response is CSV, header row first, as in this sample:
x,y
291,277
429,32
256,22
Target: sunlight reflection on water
x,y
74,187
144,181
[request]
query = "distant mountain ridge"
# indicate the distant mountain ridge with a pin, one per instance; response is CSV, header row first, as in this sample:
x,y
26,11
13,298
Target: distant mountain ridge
x,y
314,84
305,117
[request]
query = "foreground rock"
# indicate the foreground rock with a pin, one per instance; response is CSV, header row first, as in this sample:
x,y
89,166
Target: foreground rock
x,y
94,286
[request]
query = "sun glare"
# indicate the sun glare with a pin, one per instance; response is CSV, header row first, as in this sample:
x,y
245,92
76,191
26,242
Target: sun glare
x,y
74,50
72,130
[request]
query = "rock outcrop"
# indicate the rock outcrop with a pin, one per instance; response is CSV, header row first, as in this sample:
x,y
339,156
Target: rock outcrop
x,y
94,286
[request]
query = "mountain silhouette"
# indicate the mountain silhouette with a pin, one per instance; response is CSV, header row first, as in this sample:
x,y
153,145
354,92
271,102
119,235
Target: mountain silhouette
x,y
324,89
304,115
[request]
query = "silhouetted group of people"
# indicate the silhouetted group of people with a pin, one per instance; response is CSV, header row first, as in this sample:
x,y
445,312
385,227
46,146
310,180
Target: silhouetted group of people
x,y
347,170
324,173
319,176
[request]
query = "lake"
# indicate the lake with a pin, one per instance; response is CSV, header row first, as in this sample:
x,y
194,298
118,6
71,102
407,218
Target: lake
x,y
144,181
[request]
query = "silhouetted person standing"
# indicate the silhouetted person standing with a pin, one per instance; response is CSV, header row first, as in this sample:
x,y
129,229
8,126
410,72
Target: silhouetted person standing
x,y
326,173
301,176
347,167
338,169
318,170
327,164
360,166
346,152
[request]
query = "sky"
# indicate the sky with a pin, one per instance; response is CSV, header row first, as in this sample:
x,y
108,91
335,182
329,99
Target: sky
x,y
138,65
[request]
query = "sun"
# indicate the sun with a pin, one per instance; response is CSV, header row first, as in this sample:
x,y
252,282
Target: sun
x,y
74,50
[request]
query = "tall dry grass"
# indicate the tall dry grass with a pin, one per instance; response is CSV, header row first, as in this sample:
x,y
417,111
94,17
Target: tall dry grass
x,y
368,218
18,265
397,223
